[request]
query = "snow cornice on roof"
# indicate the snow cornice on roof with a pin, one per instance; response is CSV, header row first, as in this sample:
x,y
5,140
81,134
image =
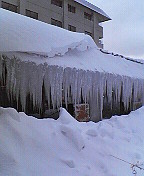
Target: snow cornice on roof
x,y
121,56
94,8
23,34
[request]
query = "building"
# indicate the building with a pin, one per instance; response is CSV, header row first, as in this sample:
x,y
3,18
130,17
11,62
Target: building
x,y
74,15
43,67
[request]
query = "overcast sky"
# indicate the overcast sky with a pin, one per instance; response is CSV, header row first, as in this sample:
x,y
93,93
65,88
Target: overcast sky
x,y
124,34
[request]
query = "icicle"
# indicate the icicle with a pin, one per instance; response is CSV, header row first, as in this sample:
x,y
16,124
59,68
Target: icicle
x,y
66,85
142,85
1,66
27,77
127,91
109,88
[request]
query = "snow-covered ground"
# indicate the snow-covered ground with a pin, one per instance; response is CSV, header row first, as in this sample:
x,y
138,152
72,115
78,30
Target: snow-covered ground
x,y
65,147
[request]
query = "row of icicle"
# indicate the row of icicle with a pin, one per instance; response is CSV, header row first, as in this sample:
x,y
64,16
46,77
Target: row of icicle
x,y
72,84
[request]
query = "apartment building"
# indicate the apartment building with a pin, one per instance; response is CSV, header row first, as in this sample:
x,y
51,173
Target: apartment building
x,y
73,15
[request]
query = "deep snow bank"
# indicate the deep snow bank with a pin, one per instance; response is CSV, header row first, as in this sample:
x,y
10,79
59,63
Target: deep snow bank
x,y
23,34
66,147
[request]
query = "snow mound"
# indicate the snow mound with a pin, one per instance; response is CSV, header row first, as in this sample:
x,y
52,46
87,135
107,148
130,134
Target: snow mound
x,y
69,129
73,135
9,112
65,117
23,34
52,147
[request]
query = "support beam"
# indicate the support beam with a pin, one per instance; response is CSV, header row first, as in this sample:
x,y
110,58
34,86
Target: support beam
x,y
65,14
22,5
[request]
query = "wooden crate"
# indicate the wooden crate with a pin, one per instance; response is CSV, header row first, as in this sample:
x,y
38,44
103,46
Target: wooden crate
x,y
82,112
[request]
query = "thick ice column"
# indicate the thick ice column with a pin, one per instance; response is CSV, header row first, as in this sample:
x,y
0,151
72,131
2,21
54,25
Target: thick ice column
x,y
143,93
86,86
25,78
53,80
127,91
66,85
1,66
96,97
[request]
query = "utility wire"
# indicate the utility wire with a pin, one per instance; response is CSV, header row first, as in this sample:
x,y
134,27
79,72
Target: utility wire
x,y
133,166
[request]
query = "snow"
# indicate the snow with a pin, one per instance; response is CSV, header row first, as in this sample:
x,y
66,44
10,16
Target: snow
x,y
66,147
35,53
93,86
93,7
38,42
20,33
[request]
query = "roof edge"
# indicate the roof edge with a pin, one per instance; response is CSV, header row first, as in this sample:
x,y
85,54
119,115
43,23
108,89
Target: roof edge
x,y
93,7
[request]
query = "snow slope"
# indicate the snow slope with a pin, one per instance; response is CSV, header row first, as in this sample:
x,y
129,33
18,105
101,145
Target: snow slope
x,y
20,33
25,38
32,147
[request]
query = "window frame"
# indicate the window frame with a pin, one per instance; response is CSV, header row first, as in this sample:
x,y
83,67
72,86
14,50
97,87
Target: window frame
x,y
56,22
71,8
31,14
58,3
88,16
9,6
71,28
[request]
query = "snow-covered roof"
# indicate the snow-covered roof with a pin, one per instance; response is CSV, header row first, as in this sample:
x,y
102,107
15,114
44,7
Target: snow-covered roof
x,y
36,53
93,7
91,60
20,34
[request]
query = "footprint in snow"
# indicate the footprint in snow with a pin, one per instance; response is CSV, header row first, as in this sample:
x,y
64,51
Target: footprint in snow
x,y
91,132
69,163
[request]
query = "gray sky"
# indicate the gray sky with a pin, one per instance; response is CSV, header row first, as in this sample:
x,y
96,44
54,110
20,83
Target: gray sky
x,y
124,34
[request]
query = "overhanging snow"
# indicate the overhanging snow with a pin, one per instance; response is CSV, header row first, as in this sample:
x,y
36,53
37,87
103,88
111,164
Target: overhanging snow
x,y
20,33
93,7
76,63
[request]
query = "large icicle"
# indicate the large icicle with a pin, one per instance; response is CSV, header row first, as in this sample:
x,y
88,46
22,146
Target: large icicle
x,y
1,66
68,85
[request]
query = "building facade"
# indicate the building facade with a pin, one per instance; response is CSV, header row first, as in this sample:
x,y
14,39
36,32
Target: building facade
x,y
74,15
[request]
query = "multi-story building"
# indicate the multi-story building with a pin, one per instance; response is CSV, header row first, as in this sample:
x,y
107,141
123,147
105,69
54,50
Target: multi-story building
x,y
73,15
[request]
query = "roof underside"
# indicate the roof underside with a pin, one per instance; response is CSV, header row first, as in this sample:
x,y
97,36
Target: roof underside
x,y
94,8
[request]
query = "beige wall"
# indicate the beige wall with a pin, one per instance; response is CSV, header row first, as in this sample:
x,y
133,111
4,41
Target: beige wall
x,y
46,11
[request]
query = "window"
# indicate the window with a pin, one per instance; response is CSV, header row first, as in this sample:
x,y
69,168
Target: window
x,y
88,33
71,8
57,2
88,16
56,22
71,28
32,14
10,7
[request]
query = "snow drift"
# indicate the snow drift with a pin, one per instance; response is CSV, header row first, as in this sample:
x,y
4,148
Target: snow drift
x,y
19,33
66,147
